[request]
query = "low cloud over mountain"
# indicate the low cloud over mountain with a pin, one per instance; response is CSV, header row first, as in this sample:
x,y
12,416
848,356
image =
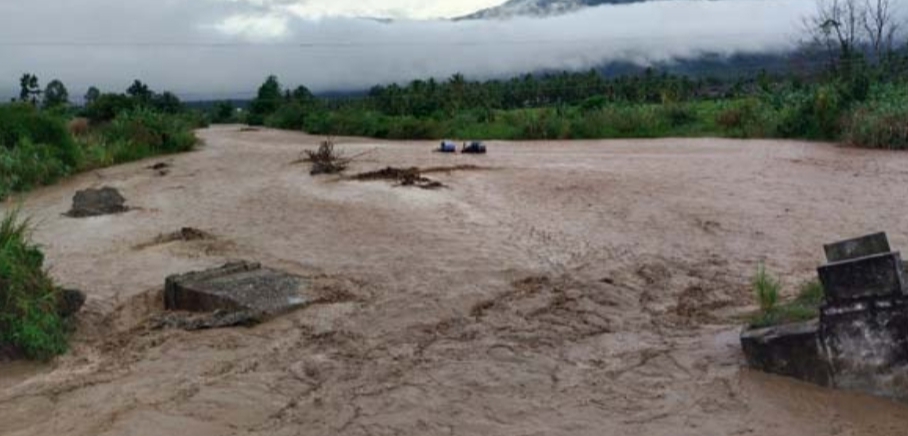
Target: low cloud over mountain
x,y
539,8
224,48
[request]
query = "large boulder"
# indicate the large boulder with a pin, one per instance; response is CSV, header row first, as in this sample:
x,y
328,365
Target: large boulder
x,y
70,302
95,202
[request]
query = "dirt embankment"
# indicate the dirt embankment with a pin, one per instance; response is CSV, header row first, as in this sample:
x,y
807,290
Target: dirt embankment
x,y
580,288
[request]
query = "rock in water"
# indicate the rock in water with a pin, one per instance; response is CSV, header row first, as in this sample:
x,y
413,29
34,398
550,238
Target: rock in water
x,y
71,301
95,202
237,293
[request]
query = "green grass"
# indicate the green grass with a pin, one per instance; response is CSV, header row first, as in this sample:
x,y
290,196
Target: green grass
x,y
611,121
28,165
36,149
766,288
804,307
29,317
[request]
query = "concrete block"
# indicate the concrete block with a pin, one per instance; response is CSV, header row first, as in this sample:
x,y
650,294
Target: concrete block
x,y
867,346
864,246
879,275
792,350
235,287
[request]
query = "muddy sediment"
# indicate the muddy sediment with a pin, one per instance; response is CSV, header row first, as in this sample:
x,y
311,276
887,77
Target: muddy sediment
x,y
596,287
413,176
401,176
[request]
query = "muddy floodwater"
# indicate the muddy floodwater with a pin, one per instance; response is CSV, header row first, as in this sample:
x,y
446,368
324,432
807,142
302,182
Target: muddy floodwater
x,y
549,288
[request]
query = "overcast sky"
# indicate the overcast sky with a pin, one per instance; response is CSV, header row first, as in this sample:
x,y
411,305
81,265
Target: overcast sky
x,y
225,48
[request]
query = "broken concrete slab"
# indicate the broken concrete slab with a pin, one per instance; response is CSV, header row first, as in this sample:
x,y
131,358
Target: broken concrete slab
x,y
237,287
869,245
96,202
879,275
867,344
218,319
792,350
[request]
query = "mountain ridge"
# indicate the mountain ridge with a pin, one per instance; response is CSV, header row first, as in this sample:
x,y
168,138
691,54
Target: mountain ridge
x,y
538,8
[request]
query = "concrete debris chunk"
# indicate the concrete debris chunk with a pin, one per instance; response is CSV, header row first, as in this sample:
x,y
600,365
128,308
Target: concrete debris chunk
x,y
864,246
239,287
879,275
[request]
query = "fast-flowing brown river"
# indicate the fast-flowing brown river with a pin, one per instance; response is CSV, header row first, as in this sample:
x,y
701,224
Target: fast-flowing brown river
x,y
564,288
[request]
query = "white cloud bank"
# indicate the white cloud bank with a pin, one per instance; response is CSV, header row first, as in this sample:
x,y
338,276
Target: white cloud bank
x,y
221,48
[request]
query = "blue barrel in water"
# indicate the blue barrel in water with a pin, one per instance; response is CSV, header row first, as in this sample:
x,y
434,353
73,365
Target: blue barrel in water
x,y
448,147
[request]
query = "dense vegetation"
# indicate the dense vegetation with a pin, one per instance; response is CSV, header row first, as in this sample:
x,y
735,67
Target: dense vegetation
x,y
42,140
29,317
864,106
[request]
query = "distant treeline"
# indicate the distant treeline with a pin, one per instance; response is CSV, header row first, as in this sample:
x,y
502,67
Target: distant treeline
x,y
850,99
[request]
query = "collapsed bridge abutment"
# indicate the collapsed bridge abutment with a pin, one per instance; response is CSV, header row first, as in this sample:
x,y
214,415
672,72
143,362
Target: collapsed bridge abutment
x,y
860,341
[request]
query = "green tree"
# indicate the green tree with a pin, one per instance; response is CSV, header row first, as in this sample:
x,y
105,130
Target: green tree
x,y
91,95
303,95
140,92
224,112
55,95
107,106
29,89
167,102
267,101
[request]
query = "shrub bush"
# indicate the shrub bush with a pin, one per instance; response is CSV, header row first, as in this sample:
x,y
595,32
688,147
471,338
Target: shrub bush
x,y
878,128
38,148
678,115
414,128
106,107
195,119
35,149
812,114
29,165
748,118
633,121
22,121
542,124
592,104
79,127
881,123
291,116
161,133
29,317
